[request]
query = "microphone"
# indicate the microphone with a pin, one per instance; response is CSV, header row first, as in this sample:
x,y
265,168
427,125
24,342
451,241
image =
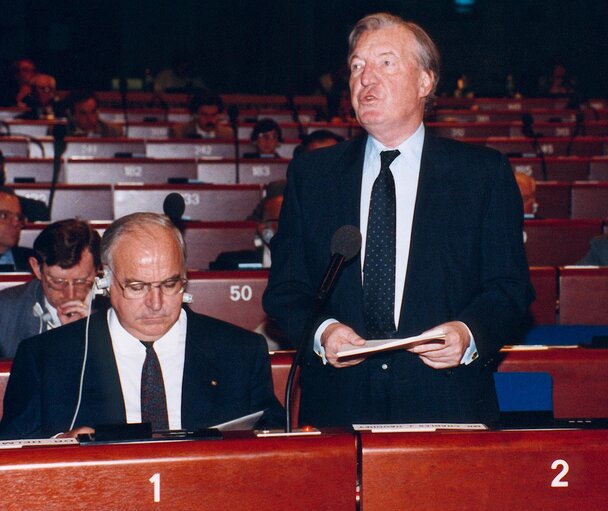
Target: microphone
x,y
295,115
578,130
528,131
233,115
174,207
345,244
59,147
122,85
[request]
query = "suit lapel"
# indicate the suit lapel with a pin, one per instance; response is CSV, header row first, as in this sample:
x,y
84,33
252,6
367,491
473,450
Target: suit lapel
x,y
202,377
424,245
102,394
349,203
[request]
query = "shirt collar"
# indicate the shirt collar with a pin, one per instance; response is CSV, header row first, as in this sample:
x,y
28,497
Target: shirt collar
x,y
124,342
410,148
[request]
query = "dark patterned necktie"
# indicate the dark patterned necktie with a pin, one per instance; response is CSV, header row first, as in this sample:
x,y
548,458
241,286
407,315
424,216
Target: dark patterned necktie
x,y
380,249
153,399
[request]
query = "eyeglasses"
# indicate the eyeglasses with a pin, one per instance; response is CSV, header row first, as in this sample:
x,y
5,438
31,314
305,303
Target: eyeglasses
x,y
168,287
10,216
59,284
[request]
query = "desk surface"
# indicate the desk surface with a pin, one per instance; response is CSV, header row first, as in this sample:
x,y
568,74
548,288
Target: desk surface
x,y
238,472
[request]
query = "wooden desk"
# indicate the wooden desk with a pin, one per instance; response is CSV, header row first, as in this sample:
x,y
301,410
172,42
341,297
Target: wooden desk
x,y
580,376
240,472
532,470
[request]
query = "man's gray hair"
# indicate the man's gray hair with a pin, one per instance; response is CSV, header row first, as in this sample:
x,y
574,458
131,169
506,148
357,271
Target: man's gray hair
x,y
427,53
138,224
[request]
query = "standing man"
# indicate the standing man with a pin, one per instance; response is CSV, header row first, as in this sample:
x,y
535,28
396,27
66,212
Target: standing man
x,y
148,360
441,223
12,257
65,261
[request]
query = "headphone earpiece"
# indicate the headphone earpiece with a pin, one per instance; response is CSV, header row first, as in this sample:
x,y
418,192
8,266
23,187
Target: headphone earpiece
x,y
101,284
40,313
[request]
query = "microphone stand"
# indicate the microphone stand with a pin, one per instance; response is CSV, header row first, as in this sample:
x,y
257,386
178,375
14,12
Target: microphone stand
x,y
233,114
529,132
59,147
124,104
295,115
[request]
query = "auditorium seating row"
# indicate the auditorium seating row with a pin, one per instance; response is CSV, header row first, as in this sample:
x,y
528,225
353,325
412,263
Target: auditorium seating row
x,y
106,170
205,240
556,200
17,146
564,296
102,171
146,124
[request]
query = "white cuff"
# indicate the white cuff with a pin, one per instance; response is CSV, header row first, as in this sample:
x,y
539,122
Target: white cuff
x,y
317,347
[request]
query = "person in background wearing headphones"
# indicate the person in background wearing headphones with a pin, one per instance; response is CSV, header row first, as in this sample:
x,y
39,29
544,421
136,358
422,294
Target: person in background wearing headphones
x,y
147,359
65,262
266,136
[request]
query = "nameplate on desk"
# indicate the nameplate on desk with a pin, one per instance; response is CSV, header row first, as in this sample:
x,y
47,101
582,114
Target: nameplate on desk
x,y
37,442
418,427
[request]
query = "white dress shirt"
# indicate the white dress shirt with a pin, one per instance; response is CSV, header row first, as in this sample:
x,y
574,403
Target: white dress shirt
x,y
406,170
130,354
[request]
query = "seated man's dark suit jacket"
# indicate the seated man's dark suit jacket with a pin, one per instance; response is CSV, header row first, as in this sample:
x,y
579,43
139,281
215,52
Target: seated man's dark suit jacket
x,y
21,256
226,375
466,263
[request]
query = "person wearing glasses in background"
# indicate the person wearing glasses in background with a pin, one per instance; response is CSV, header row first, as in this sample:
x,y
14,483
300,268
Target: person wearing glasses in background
x,y
65,261
148,359
12,257
42,101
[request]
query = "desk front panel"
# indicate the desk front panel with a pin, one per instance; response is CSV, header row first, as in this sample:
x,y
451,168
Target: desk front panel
x,y
515,470
239,472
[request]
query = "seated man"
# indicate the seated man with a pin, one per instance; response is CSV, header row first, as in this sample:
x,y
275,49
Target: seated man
x,y
527,189
206,108
83,117
148,359
598,252
12,257
41,101
65,261
266,136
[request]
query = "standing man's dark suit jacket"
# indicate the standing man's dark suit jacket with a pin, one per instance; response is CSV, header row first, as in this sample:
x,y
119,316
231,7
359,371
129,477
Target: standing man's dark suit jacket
x,y
226,375
466,263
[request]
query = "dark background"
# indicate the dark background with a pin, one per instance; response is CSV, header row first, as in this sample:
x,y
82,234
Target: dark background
x,y
272,46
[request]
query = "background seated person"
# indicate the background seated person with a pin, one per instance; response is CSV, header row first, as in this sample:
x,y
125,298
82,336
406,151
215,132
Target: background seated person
x,y
12,257
316,140
16,84
598,252
206,109
83,117
266,136
65,262
41,101
527,189
149,360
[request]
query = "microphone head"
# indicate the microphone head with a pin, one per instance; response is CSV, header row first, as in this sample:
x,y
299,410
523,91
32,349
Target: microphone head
x,y
59,132
346,242
174,206
233,113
